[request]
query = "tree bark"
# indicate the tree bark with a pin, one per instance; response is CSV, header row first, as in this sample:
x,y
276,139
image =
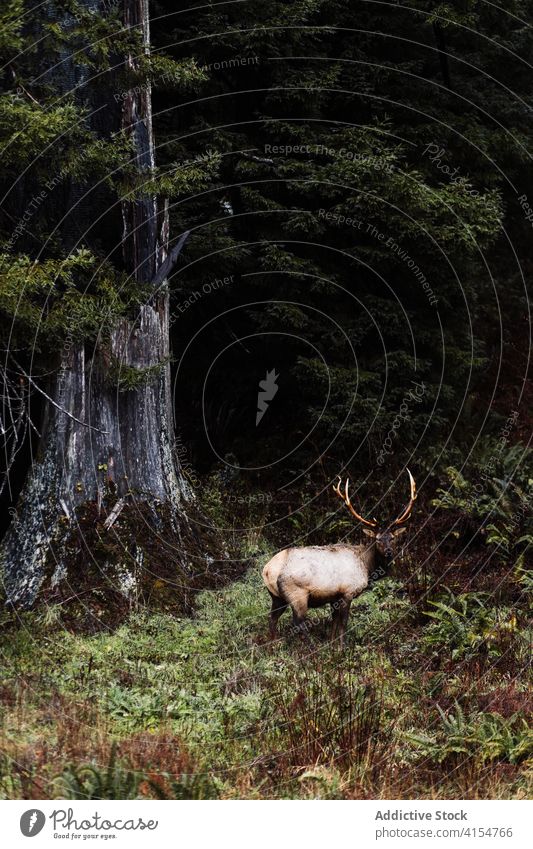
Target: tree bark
x,y
68,524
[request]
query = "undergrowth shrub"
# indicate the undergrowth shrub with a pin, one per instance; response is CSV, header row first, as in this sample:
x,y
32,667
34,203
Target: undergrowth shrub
x,y
18,778
119,780
328,717
483,737
465,625
495,498
89,781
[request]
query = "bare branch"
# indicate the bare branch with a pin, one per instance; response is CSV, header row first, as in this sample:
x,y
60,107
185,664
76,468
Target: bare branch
x,y
255,158
167,266
58,406
115,513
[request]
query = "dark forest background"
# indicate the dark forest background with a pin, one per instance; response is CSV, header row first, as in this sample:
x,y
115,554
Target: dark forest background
x,y
417,137
417,120
355,182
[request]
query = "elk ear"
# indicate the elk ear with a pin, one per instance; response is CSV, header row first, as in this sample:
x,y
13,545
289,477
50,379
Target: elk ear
x,y
369,533
399,531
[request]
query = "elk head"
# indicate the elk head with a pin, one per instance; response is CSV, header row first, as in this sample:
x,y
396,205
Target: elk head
x,y
386,538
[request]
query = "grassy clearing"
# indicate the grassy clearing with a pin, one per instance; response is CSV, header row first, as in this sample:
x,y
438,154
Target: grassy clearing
x,y
423,703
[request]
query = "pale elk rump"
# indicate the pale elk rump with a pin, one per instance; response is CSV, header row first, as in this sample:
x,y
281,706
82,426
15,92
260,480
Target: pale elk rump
x,y
315,575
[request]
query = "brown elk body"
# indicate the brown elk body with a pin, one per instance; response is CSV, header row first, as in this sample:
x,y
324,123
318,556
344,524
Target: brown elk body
x,y
313,576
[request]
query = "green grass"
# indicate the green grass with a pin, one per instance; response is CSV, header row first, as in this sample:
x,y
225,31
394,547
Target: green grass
x,y
190,708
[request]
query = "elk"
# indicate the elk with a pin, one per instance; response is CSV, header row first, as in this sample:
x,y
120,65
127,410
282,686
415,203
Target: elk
x,y
316,575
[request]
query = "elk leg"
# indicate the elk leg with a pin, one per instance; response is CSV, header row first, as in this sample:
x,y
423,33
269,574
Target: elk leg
x,y
335,619
299,613
300,623
278,607
298,599
344,613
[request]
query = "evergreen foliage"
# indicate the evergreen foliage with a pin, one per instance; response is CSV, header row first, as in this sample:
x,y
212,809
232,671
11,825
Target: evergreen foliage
x,y
363,198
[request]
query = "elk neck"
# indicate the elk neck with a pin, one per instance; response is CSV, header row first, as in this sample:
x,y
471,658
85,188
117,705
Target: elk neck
x,y
376,564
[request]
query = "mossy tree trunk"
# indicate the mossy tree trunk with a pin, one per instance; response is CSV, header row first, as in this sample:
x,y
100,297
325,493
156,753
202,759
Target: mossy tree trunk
x,y
106,448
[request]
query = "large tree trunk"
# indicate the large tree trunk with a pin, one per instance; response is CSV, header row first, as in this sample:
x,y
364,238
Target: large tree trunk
x,y
105,503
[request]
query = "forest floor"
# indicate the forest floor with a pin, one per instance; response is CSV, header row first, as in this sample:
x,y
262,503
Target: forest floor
x,y
426,701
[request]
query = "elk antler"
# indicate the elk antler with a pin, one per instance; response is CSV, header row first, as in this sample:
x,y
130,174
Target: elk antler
x,y
346,498
407,512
